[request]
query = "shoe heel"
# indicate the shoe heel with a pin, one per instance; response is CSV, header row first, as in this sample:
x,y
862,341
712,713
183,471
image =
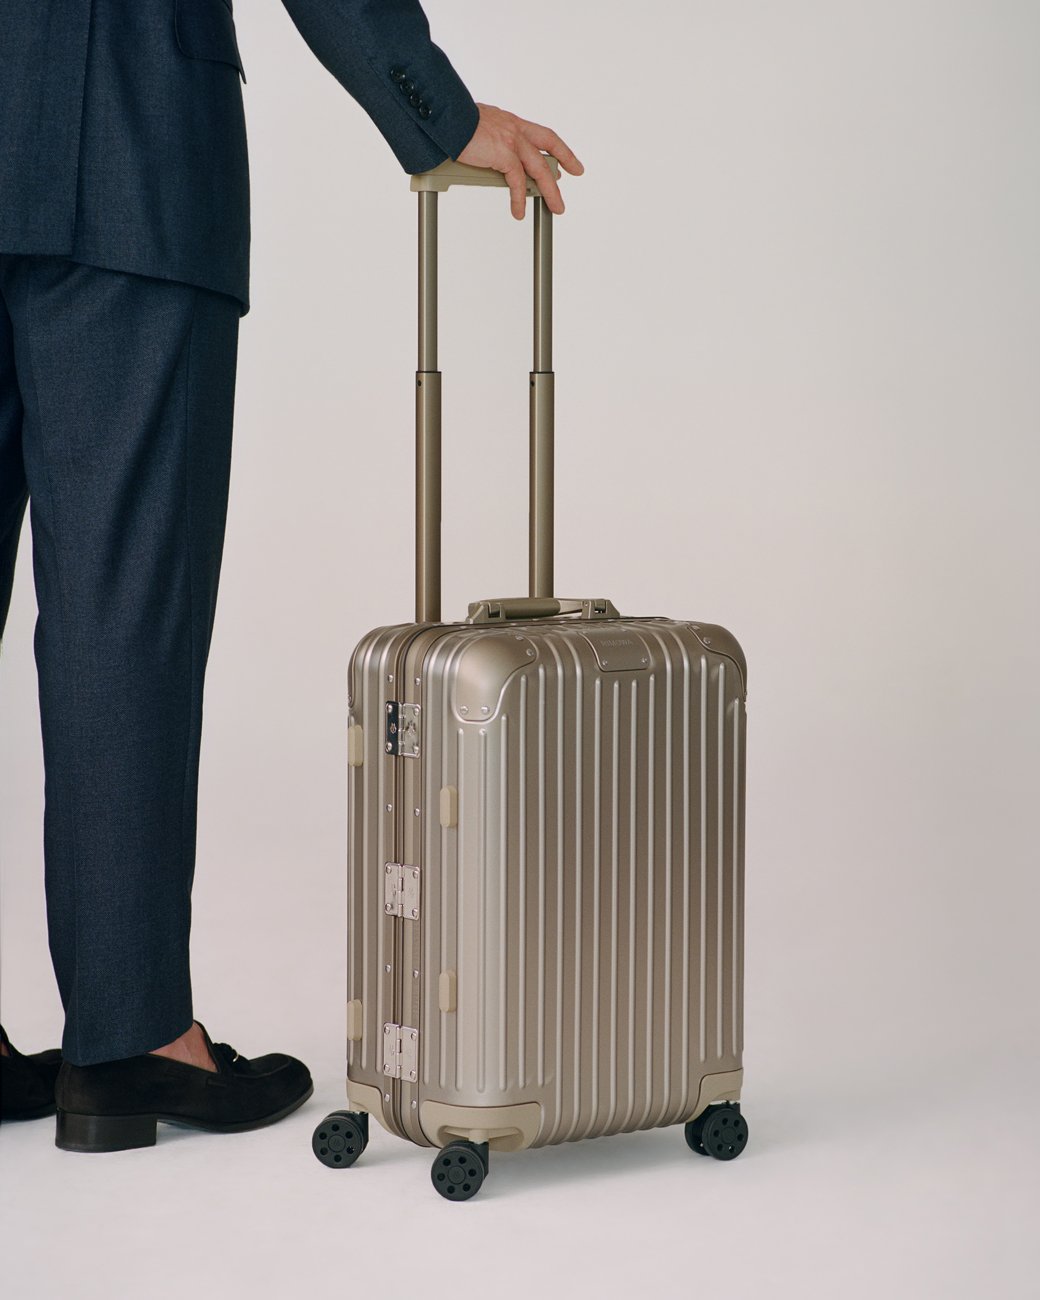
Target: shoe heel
x,y
104,1132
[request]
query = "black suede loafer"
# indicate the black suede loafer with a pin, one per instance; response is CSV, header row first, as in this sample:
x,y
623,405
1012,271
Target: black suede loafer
x,y
27,1082
117,1105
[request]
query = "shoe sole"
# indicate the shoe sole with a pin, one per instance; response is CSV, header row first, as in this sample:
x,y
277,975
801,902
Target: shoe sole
x,y
97,1133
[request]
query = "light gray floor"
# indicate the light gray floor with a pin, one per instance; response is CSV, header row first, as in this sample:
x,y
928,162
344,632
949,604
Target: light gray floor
x,y
922,1186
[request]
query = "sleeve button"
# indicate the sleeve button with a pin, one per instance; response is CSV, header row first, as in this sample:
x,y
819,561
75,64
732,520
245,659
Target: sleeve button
x,y
415,99
397,74
406,86
425,110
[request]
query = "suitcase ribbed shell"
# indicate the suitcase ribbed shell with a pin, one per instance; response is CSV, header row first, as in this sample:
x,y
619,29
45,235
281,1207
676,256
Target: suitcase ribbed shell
x,y
581,924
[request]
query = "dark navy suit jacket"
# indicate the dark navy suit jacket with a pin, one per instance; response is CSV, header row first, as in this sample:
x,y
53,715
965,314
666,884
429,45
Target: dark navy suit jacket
x,y
122,138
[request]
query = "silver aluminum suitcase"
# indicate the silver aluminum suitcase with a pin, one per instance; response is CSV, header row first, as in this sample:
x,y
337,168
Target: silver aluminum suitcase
x,y
546,844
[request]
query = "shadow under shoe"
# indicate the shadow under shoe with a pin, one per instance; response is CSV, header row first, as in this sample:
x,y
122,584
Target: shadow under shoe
x,y
27,1082
116,1105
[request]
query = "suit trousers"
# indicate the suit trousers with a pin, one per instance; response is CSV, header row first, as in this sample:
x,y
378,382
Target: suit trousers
x,y
116,405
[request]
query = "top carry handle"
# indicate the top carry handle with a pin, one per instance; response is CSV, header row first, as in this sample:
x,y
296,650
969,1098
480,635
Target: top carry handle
x,y
429,185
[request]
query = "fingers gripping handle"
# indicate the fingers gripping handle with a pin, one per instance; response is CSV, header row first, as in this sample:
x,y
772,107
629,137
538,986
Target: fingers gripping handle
x,y
428,394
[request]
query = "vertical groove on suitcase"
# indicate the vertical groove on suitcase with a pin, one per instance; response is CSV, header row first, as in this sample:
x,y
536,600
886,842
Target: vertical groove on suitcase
x,y
720,814
503,916
615,979
480,984
577,830
736,963
540,968
672,1029
685,1080
597,740
521,984
702,947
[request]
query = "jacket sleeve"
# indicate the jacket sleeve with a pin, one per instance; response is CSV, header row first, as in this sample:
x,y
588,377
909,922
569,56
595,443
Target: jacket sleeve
x,y
381,52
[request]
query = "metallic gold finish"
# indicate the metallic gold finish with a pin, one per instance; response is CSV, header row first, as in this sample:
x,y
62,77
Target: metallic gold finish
x,y
503,1128
367,1097
529,607
427,497
449,807
428,416
543,263
590,899
717,1087
542,417
446,995
541,540
455,173
427,282
427,425
582,909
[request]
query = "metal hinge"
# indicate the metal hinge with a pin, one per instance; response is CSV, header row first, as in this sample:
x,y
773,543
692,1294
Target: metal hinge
x,y
401,1052
401,890
402,729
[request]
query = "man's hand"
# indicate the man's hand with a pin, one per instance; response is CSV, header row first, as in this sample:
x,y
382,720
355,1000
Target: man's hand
x,y
514,147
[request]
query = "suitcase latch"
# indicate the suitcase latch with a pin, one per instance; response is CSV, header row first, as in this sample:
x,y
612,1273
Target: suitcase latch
x,y
402,729
401,1052
401,890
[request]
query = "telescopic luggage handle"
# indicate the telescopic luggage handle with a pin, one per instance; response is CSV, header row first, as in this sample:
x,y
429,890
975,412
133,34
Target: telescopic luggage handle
x,y
429,185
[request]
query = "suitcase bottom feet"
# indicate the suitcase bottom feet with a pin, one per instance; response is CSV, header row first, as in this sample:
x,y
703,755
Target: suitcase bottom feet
x,y
721,1132
341,1138
459,1170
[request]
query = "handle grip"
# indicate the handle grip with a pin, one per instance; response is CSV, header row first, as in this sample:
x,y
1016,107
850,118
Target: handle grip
x,y
499,611
451,173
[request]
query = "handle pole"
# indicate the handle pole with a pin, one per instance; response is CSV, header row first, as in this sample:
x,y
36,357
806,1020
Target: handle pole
x,y
543,286
542,405
427,425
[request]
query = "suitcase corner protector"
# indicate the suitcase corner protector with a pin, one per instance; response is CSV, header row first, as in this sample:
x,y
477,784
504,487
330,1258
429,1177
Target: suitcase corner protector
x,y
717,1087
503,1128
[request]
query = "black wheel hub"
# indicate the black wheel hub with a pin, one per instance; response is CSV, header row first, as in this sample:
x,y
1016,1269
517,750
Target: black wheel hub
x,y
339,1140
458,1171
724,1134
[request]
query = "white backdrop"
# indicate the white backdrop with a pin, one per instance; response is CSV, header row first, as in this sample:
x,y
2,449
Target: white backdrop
x,y
797,343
